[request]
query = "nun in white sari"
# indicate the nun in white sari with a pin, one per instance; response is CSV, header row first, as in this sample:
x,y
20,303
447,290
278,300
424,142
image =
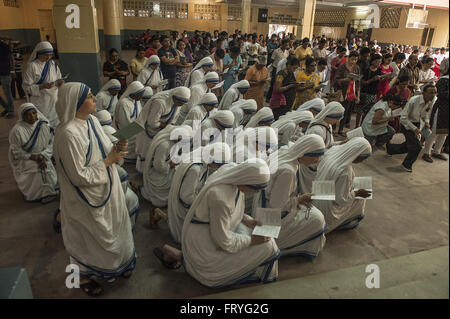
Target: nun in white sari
x,y
292,125
302,225
200,112
218,248
39,81
131,198
107,97
214,128
322,124
198,72
264,117
243,110
346,211
197,92
234,94
314,106
151,74
188,180
127,111
159,167
30,153
148,94
95,223
161,110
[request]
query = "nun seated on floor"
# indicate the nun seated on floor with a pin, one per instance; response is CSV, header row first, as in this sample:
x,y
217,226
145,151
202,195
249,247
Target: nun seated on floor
x,y
302,225
218,248
188,180
346,211
30,154
159,168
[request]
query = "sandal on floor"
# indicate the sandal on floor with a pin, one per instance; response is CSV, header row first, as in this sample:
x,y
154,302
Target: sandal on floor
x,y
169,265
92,288
56,223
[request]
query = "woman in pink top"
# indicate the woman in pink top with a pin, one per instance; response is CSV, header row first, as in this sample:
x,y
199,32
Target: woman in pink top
x,y
385,67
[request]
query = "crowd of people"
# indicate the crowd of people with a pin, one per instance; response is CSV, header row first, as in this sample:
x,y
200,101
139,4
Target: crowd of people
x,y
280,101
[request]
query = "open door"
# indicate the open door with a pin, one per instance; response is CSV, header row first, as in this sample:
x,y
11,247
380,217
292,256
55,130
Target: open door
x,y
46,25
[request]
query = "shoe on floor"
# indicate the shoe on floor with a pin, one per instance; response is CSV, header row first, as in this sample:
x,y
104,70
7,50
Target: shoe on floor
x,y
440,156
3,113
427,158
9,115
407,168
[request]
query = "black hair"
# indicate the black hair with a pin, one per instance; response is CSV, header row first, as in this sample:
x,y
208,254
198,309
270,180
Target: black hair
x,y
163,37
340,49
394,98
220,53
293,60
375,56
309,60
235,49
404,78
400,55
284,41
387,56
427,60
322,62
305,40
178,42
353,54
112,50
154,38
427,86
364,50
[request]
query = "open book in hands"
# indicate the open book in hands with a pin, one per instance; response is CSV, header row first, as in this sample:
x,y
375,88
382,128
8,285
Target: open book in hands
x,y
323,190
129,131
271,222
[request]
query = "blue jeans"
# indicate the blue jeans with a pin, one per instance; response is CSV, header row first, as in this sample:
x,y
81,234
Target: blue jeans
x,y
5,81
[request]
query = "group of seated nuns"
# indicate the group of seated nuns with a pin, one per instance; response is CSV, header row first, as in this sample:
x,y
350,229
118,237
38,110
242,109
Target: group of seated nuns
x,y
207,191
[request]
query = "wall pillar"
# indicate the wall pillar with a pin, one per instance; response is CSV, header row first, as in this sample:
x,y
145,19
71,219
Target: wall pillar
x,y
246,13
307,9
112,20
78,48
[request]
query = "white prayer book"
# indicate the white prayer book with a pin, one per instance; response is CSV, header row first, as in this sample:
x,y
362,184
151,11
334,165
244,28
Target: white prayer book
x,y
65,77
271,222
163,83
132,129
322,85
357,132
218,86
323,190
363,182
397,112
387,75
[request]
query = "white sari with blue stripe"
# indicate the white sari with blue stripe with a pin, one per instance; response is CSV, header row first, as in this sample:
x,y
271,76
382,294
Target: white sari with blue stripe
x,y
95,221
24,141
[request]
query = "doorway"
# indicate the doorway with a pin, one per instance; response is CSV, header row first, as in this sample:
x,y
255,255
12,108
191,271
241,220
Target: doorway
x,y
46,25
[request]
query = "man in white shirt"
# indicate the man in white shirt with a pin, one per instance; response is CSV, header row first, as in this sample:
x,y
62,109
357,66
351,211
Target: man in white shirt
x,y
440,56
416,110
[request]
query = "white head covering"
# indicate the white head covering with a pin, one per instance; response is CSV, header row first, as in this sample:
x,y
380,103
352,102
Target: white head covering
x,y
211,77
224,118
148,93
206,61
249,105
243,84
339,157
255,173
134,89
307,145
27,107
43,47
264,136
332,109
70,98
294,116
208,99
152,60
316,104
111,84
264,115
104,117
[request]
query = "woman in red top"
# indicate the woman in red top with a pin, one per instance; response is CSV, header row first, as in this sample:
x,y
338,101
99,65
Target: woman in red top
x,y
401,89
337,61
386,68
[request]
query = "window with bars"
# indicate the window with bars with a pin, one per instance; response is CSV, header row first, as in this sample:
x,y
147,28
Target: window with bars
x,y
11,3
335,18
206,12
390,18
234,13
145,9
